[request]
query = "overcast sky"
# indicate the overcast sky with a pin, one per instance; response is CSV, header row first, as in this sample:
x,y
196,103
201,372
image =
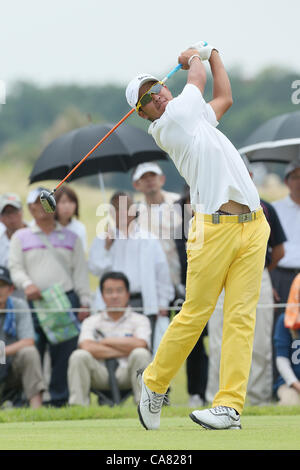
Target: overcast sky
x,y
101,41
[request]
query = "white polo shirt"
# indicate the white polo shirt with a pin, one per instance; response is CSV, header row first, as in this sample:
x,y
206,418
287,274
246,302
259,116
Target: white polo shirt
x,y
289,215
205,158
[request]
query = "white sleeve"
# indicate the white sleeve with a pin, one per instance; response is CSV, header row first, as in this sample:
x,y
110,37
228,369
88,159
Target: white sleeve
x,y
165,289
210,115
100,260
189,108
16,264
285,370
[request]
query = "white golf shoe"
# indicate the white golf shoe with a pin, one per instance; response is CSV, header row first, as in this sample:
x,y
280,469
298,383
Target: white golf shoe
x,y
219,417
150,406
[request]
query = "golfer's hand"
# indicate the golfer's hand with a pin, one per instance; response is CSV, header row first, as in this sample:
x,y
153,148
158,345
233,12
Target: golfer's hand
x,y
84,313
184,57
32,292
204,49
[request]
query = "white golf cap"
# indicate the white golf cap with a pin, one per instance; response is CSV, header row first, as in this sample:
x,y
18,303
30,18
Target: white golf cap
x,y
10,199
133,87
143,168
291,167
34,194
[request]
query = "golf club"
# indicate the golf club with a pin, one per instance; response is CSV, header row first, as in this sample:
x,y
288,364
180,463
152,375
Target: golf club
x,y
47,198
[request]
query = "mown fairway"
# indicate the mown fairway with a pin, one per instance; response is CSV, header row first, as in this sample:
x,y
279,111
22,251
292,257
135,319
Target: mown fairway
x,y
178,433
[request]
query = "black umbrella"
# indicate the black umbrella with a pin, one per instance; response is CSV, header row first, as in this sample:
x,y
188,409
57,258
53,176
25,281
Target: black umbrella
x,y
277,140
124,149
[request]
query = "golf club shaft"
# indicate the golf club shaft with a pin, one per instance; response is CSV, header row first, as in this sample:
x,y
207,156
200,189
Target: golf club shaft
x,y
94,148
110,132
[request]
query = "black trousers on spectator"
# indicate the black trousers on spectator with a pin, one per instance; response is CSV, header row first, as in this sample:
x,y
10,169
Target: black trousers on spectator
x,y
59,354
282,280
197,368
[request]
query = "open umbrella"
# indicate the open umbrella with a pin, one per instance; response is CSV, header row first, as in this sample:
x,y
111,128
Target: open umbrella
x,y
124,149
277,140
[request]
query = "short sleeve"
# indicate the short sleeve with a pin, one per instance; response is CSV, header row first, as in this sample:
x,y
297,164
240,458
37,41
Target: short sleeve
x,y
87,331
143,329
210,115
189,109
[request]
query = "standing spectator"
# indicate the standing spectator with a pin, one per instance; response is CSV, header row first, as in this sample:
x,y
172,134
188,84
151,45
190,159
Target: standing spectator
x,y
287,349
11,216
117,333
137,254
67,212
47,257
23,366
156,214
260,382
288,210
197,361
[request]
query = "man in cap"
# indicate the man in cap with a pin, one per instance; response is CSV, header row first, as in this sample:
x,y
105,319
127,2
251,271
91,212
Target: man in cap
x,y
156,213
23,366
42,256
288,210
227,239
11,215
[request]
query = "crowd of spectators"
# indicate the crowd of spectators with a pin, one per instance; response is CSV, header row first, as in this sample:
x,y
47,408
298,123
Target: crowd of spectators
x,y
59,336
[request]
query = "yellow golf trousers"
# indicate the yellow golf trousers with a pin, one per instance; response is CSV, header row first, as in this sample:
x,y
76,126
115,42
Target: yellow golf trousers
x,y
229,254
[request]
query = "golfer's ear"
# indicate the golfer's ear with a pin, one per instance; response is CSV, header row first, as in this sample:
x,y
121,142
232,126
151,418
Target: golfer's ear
x,y
142,114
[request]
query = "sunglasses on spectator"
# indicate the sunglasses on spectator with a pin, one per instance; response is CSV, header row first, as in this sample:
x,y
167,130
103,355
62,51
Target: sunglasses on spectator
x,y
147,97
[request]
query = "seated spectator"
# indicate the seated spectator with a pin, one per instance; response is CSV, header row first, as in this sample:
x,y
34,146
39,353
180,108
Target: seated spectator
x,y
11,216
118,333
47,261
139,255
67,212
287,349
23,368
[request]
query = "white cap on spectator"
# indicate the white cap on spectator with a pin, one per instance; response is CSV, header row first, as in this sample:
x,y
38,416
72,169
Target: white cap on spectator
x,y
143,168
34,194
291,167
133,87
10,199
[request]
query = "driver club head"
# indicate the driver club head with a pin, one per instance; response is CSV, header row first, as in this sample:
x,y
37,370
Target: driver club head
x,y
48,201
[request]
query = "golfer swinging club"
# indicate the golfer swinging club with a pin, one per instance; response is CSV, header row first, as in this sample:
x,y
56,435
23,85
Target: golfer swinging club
x,y
230,253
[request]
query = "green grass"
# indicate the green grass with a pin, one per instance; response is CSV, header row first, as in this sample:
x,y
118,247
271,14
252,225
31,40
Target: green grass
x,y
178,433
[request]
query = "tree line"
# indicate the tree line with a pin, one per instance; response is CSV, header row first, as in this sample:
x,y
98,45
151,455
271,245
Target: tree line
x,y
34,115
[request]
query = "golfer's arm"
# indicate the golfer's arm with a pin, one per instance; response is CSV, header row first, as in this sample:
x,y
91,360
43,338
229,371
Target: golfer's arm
x,y
126,344
99,350
222,94
197,74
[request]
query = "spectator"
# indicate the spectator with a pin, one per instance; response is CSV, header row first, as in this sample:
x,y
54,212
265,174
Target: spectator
x,y
118,333
288,210
197,361
139,256
287,349
67,212
47,259
11,216
23,366
260,382
156,214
